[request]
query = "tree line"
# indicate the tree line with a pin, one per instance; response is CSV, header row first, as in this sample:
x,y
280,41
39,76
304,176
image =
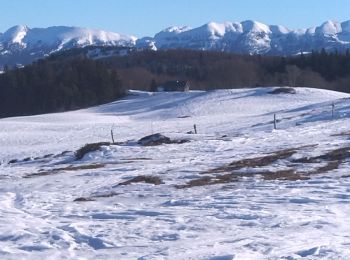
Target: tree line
x,y
210,70
69,80
57,85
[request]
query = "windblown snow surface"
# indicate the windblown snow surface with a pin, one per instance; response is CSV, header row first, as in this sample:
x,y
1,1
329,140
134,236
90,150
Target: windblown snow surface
x,y
291,202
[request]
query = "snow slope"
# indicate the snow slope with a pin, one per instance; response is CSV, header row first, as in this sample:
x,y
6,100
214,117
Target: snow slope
x,y
253,217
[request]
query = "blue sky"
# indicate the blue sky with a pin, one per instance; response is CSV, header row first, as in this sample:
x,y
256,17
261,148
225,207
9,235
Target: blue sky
x,y
147,17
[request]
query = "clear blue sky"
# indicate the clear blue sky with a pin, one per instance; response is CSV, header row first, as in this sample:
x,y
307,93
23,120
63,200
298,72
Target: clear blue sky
x,y
147,17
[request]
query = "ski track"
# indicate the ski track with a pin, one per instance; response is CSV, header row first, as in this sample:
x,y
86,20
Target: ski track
x,y
249,219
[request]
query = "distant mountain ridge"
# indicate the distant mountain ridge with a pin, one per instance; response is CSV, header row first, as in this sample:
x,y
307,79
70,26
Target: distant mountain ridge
x,y
21,44
251,37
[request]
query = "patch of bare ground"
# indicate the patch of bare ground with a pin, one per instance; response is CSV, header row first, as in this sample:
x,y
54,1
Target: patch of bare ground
x,y
94,197
68,168
209,180
138,179
254,162
333,155
283,175
332,159
330,166
83,199
346,133
143,178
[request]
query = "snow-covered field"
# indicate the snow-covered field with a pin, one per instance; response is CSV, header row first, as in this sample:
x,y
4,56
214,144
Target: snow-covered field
x,y
291,201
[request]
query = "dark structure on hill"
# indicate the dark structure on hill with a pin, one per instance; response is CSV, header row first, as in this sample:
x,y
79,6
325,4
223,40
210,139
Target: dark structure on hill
x,y
175,85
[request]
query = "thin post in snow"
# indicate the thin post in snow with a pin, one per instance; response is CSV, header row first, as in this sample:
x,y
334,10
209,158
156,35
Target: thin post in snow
x,y
195,128
274,122
333,108
112,135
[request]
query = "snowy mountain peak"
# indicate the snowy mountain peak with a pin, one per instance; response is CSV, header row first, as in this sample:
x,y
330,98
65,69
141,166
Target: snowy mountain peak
x,y
252,37
21,44
253,26
218,29
28,44
329,28
15,34
176,29
171,32
279,29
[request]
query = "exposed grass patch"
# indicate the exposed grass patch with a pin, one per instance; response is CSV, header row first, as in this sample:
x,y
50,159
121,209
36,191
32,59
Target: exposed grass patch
x,y
330,166
254,162
209,180
334,155
68,168
92,198
88,148
143,178
83,199
347,134
283,175
333,158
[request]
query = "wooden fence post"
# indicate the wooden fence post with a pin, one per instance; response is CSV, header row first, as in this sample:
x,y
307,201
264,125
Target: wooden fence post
x,y
112,135
274,122
195,128
333,107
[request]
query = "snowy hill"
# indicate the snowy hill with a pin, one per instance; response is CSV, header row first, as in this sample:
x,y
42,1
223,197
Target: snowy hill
x,y
21,44
237,190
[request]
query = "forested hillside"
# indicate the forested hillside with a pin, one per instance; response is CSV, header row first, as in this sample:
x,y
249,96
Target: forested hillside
x,y
212,70
76,79
51,86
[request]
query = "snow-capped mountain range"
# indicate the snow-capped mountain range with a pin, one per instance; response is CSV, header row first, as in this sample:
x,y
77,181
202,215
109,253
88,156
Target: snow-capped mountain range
x,y
21,44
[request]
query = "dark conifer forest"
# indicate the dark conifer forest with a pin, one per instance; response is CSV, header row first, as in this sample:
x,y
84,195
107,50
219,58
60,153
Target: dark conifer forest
x,y
69,80
52,86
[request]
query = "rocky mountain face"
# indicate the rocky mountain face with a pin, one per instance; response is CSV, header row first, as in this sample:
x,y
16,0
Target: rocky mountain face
x,y
22,45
